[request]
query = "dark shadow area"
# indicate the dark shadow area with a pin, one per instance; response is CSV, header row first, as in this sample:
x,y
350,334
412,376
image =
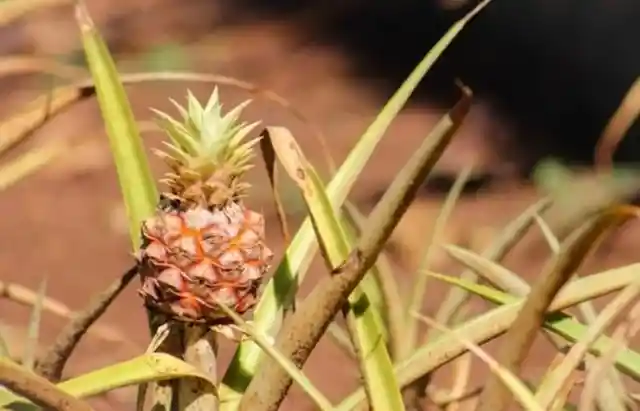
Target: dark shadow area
x,y
557,69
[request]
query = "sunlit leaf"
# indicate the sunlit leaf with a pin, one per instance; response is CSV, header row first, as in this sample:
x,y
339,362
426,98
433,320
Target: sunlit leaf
x,y
134,175
374,359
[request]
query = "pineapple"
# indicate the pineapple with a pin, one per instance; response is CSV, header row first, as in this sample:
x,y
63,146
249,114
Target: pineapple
x,y
203,247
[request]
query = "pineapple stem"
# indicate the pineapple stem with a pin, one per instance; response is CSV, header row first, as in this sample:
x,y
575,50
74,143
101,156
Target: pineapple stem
x,y
201,351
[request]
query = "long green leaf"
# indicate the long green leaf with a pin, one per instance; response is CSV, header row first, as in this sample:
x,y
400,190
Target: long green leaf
x,y
566,326
134,174
509,236
375,362
145,368
495,322
610,389
372,299
300,252
307,325
385,280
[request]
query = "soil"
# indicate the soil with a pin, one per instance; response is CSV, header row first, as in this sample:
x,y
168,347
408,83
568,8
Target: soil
x,y
65,223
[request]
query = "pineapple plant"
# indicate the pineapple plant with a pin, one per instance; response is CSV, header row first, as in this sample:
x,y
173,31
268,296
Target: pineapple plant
x,y
204,247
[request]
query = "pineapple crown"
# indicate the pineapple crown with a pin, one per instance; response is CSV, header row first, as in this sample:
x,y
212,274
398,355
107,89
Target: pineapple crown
x,y
206,140
207,152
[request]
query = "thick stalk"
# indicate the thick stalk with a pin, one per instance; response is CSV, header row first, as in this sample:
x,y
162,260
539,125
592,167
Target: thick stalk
x,y
201,350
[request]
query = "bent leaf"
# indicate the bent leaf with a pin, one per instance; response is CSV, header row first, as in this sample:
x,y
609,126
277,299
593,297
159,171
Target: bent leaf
x,y
495,322
143,369
375,362
300,252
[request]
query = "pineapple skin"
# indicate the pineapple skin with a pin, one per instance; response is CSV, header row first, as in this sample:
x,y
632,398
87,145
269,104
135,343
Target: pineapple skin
x,y
203,247
196,259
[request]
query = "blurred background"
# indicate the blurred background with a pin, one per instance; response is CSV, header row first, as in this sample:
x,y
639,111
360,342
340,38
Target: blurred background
x,y
547,77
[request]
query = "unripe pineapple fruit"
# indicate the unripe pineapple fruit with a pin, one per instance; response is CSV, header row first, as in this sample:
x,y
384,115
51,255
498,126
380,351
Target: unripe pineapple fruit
x,y
204,247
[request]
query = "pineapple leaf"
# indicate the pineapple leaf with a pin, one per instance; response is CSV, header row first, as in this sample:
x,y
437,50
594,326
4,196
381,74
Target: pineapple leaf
x,y
554,276
556,378
145,368
205,135
263,341
177,132
184,113
300,252
364,324
244,153
134,174
241,132
214,102
180,155
496,321
31,343
142,369
420,281
195,110
25,383
517,388
231,118
384,279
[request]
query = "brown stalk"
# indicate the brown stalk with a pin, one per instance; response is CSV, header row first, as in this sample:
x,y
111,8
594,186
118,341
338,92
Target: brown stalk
x,y
37,113
13,10
37,389
519,338
618,126
307,325
51,364
24,296
200,350
621,337
19,127
23,63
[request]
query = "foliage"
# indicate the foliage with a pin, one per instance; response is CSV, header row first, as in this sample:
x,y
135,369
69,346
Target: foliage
x,y
382,331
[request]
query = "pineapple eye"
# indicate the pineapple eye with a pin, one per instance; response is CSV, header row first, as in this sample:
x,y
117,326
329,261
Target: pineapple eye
x,y
199,281
213,238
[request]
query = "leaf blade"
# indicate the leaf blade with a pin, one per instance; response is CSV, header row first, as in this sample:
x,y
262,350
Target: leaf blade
x,y
374,359
495,322
134,174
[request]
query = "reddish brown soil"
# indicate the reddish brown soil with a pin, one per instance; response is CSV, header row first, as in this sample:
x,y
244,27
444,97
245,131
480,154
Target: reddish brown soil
x,y
65,222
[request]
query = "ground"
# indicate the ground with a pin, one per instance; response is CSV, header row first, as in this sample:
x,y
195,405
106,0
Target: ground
x,y
65,223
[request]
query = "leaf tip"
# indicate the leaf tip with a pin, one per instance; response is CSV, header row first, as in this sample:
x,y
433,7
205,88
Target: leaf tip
x,y
83,17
